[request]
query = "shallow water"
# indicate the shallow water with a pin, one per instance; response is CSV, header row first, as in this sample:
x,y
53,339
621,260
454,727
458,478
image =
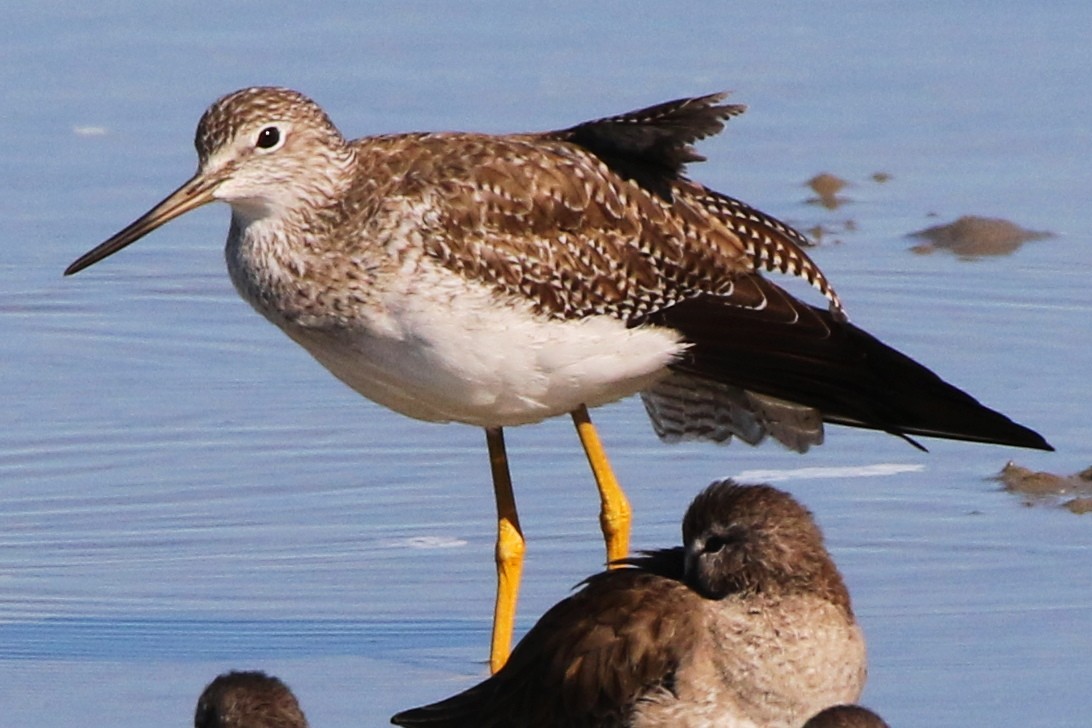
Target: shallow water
x,y
183,491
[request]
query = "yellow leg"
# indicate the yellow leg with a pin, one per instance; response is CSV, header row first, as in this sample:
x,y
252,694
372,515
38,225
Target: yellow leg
x,y
509,553
615,515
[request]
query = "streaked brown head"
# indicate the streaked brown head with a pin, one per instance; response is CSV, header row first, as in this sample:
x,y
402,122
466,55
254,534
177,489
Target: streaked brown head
x,y
248,700
746,538
266,151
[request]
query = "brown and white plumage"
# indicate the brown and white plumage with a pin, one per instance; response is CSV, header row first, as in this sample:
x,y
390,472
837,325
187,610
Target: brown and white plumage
x,y
595,221
248,700
747,624
499,280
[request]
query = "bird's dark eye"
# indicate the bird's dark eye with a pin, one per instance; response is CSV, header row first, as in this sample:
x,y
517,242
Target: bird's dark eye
x,y
714,544
726,539
269,137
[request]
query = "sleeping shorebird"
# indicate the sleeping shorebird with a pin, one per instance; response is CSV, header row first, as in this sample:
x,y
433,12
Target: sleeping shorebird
x,y
502,280
748,624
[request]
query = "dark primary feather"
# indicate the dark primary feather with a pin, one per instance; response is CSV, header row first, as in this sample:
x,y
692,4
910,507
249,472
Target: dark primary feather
x,y
762,339
651,146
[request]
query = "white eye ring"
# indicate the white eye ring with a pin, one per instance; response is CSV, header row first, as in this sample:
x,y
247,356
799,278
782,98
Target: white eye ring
x,y
269,139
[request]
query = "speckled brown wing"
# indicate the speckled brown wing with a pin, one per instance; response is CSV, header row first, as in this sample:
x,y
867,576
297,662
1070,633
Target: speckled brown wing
x,y
595,219
550,224
547,220
586,661
772,245
652,146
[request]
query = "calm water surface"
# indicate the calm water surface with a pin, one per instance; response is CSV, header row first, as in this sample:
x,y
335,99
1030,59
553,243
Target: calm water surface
x,y
183,491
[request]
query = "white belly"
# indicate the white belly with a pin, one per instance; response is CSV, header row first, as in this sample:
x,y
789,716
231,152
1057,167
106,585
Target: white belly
x,y
462,357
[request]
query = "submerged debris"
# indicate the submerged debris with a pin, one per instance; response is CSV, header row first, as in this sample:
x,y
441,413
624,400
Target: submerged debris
x,y
972,237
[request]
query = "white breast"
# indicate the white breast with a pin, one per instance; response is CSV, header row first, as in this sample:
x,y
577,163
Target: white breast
x,y
452,351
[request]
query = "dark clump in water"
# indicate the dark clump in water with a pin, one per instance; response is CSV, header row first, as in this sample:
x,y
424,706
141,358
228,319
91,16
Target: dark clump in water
x,y
822,232
1073,492
972,237
1080,506
827,187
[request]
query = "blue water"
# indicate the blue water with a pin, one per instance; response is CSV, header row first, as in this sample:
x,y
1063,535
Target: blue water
x,y
183,491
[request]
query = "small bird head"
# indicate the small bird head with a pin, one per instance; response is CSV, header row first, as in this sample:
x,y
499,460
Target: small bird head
x,y
747,538
266,151
248,700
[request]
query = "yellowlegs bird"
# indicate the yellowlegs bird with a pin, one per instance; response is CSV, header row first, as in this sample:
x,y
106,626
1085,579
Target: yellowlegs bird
x,y
747,624
501,280
248,700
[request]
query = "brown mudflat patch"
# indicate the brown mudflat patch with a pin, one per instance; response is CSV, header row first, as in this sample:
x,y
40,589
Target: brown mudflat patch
x,y
827,186
828,232
1073,492
972,237
1080,506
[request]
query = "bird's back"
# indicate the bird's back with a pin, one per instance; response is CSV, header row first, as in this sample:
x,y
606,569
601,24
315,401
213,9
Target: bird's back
x,y
637,647
598,219
586,662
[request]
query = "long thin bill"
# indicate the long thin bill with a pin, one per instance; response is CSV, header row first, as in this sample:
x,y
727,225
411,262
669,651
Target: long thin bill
x,y
194,193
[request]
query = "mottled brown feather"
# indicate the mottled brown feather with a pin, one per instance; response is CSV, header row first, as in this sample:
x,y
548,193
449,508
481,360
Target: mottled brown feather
x,y
554,218
620,646
585,661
